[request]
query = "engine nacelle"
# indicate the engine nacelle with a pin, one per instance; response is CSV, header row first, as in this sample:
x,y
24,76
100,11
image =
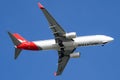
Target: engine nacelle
x,y
70,35
75,55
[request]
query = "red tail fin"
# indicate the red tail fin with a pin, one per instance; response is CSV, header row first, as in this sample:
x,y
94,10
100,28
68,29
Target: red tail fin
x,y
19,37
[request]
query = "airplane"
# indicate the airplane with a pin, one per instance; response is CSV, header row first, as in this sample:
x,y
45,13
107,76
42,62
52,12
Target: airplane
x,y
65,43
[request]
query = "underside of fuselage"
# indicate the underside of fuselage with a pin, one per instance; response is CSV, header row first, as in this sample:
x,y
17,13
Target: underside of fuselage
x,y
79,41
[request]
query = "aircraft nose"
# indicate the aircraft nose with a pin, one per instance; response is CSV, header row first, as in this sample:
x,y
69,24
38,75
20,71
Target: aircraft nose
x,y
110,39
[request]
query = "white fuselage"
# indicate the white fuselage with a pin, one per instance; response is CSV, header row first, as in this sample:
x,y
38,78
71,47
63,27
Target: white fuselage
x,y
78,41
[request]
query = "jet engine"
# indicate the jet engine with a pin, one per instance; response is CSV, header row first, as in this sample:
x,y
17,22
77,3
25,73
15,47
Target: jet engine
x,y
70,35
75,55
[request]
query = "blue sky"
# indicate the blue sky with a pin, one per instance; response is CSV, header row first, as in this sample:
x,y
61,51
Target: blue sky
x,y
86,17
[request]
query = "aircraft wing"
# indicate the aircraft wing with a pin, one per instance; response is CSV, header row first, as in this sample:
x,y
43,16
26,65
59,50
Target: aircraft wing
x,y
59,35
63,60
57,30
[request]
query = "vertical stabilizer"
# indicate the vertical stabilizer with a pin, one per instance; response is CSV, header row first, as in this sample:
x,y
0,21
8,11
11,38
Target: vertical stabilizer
x,y
17,52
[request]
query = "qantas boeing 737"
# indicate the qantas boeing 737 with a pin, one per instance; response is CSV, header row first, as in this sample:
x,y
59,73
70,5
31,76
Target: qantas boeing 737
x,y
64,43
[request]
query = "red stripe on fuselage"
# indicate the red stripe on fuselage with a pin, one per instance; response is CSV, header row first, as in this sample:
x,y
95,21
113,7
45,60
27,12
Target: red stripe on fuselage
x,y
25,44
28,46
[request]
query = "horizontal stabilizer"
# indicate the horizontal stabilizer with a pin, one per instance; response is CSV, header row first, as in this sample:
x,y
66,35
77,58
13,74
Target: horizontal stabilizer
x,y
14,39
19,37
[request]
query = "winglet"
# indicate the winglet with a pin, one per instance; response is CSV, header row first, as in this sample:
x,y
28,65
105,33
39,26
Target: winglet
x,y
55,74
40,5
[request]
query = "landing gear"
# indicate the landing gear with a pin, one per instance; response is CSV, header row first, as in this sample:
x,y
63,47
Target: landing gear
x,y
60,43
104,43
61,53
